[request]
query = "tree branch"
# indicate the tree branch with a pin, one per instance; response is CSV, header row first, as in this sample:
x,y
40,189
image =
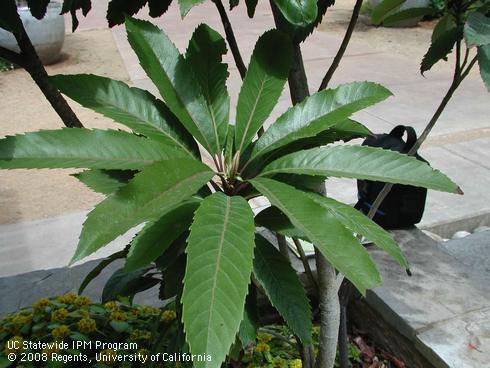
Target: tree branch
x,y
459,76
343,46
329,312
35,68
11,56
230,37
306,264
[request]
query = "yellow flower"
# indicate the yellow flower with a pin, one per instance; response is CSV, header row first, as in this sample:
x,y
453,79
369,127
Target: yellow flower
x,y
296,363
264,337
262,347
140,335
278,362
67,298
14,345
21,319
59,314
168,315
80,301
40,304
151,310
111,306
84,313
118,316
86,325
60,333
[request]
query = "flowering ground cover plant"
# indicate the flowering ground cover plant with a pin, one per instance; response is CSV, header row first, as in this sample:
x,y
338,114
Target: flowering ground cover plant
x,y
74,326
199,230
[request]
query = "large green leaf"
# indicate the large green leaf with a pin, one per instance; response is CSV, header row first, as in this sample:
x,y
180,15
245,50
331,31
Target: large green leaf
x,y
38,7
186,5
105,181
445,24
362,162
477,30
251,6
204,55
440,48
97,270
135,108
82,148
299,33
266,75
298,12
175,80
9,18
283,288
361,224
248,327
219,264
406,14
319,112
328,234
157,236
122,284
483,55
344,131
384,8
155,191
275,220
72,6
119,9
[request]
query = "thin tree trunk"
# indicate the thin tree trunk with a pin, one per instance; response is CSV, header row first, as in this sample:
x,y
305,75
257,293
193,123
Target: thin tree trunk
x,y
329,312
343,46
30,61
326,278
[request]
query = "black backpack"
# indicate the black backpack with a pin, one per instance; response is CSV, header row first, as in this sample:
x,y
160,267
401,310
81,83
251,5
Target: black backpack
x,y
404,205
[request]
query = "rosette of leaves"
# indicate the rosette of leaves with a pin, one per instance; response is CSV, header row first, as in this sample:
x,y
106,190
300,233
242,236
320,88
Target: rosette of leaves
x,y
188,175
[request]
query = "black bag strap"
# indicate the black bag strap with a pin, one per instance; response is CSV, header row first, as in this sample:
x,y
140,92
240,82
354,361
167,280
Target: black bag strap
x,y
400,130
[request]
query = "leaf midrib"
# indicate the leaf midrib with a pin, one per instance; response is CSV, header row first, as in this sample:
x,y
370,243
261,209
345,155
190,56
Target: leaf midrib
x,y
156,128
180,59
337,173
218,263
247,126
207,95
140,209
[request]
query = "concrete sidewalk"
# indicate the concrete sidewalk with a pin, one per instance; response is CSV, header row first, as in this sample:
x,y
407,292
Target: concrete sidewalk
x,y
459,145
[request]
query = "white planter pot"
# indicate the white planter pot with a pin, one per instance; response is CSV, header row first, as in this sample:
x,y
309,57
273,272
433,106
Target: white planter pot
x,y
407,5
47,35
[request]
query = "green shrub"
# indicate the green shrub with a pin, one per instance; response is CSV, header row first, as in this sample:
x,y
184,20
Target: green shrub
x,y
85,328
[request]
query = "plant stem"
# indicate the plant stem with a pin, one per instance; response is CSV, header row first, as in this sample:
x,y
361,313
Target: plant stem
x,y
306,264
32,64
329,312
230,37
326,275
283,246
343,46
277,335
11,56
459,75
298,83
